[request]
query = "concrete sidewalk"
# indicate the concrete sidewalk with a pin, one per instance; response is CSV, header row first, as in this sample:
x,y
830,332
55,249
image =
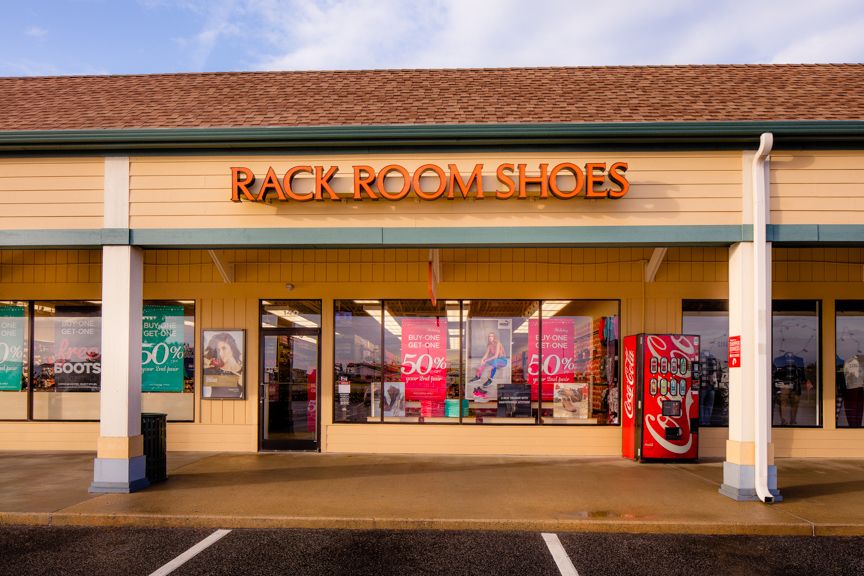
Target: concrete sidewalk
x,y
302,490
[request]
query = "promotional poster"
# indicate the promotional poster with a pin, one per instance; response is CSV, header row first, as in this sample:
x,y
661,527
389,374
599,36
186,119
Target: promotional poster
x,y
558,352
162,349
223,364
394,398
424,360
514,401
77,349
489,351
571,400
12,326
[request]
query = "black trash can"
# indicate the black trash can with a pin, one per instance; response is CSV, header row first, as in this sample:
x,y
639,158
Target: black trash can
x,y
154,428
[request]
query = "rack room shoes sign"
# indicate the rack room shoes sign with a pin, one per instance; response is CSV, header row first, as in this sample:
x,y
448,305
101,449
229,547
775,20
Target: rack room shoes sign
x,y
307,183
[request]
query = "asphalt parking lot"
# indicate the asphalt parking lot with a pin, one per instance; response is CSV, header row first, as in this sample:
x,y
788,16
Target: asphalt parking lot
x,y
136,551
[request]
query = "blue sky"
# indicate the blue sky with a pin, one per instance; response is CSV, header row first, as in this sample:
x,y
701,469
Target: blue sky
x,y
152,36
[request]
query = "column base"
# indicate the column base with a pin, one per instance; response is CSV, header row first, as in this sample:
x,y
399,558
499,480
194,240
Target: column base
x,y
739,482
119,475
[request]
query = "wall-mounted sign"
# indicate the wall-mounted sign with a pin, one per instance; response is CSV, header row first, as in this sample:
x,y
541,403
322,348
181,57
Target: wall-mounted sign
x,y
431,182
735,351
224,364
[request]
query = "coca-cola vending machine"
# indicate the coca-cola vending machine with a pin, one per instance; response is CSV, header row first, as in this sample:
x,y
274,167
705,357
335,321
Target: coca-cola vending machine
x,y
660,415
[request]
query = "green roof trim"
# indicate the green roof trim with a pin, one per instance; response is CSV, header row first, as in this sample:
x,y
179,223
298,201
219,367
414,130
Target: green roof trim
x,y
489,237
790,132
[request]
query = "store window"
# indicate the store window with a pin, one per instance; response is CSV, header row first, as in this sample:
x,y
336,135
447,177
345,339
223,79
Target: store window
x,y
501,351
359,328
580,351
709,319
290,313
67,360
14,352
796,388
168,359
477,361
421,363
849,324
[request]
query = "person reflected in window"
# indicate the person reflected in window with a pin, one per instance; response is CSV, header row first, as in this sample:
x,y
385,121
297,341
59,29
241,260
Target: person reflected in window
x,y
789,380
853,396
495,357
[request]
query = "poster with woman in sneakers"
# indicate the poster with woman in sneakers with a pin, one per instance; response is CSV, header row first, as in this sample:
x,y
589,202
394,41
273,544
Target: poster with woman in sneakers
x,y
489,357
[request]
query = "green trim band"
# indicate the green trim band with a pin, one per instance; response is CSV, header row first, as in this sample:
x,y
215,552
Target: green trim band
x,y
449,237
808,131
238,238
816,233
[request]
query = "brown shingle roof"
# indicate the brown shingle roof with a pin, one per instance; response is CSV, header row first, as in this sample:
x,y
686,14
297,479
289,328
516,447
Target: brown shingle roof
x,y
468,96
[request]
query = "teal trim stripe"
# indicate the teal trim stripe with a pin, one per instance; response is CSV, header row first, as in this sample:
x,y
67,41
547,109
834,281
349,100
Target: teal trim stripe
x,y
423,237
257,237
59,238
720,235
566,236
816,233
463,134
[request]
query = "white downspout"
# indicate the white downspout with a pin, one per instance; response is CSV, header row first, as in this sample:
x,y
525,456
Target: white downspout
x,y
762,284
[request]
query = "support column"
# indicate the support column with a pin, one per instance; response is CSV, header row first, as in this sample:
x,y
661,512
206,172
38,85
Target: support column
x,y
739,469
119,465
749,472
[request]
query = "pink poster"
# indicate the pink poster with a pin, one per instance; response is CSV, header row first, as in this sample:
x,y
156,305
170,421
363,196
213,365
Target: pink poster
x,y
559,355
424,361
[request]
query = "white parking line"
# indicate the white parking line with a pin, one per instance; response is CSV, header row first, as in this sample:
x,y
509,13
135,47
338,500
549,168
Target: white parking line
x,y
565,566
191,553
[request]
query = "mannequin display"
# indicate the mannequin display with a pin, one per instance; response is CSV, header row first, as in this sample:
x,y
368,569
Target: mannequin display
x,y
711,374
789,378
853,398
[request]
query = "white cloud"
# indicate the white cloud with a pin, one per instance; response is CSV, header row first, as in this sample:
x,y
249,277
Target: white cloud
x,y
343,34
36,32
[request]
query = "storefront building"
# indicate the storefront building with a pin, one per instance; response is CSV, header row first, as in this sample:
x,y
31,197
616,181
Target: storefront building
x,y
430,261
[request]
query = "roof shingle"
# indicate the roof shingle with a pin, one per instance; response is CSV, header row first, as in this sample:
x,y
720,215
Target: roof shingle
x,y
424,97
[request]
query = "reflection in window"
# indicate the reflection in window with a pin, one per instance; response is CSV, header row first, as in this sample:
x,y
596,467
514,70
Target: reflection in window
x,y
795,363
580,353
478,361
421,369
850,363
290,313
357,356
14,351
499,349
67,360
709,319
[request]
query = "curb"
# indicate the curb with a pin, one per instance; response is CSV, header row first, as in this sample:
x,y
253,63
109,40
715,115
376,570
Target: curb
x,y
455,524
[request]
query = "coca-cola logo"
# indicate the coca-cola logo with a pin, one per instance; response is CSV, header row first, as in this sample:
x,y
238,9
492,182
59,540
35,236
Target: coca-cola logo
x,y
629,381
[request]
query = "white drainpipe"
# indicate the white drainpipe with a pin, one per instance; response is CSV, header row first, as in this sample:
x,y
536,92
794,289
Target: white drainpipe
x,y
762,276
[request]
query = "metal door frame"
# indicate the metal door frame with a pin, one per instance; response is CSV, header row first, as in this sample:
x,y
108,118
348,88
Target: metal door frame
x,y
288,445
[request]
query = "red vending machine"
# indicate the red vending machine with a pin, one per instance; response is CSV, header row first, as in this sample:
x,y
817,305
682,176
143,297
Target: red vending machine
x,y
660,411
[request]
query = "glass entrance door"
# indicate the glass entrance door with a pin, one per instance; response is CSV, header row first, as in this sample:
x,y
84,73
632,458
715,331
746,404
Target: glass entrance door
x,y
288,394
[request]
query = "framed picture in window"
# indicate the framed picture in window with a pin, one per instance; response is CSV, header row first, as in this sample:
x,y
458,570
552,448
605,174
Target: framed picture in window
x,y
224,363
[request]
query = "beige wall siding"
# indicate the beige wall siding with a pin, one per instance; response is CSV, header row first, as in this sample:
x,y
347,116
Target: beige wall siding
x,y
610,273
817,187
51,193
674,188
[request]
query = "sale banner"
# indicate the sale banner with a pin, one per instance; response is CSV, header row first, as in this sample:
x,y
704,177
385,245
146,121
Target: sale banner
x,y
162,349
424,359
11,347
77,349
558,352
